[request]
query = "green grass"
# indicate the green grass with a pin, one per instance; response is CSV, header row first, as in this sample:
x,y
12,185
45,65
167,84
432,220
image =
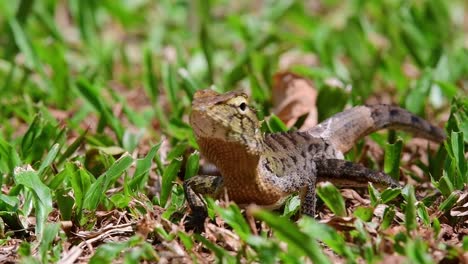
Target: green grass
x,y
94,139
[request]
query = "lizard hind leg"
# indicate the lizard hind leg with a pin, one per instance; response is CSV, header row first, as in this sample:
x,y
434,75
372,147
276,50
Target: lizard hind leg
x,y
345,173
197,187
342,173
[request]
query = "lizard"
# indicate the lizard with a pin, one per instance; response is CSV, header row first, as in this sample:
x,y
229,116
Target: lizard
x,y
266,168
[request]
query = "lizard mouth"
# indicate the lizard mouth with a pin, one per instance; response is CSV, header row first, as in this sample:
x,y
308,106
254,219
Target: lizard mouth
x,y
199,130
203,125
196,124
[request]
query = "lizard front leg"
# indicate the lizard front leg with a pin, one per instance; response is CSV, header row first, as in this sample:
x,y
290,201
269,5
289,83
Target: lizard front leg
x,y
197,187
309,199
345,173
291,180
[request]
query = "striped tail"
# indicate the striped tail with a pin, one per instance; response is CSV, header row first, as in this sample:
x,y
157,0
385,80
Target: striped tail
x,y
345,128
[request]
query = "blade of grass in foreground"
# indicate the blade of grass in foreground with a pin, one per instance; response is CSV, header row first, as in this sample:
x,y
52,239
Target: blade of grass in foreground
x,y
222,255
410,210
42,197
134,250
332,198
290,233
233,216
143,167
10,158
392,159
49,159
97,190
328,235
193,163
170,174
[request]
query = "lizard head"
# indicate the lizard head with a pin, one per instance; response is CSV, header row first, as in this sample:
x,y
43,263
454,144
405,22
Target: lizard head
x,y
226,117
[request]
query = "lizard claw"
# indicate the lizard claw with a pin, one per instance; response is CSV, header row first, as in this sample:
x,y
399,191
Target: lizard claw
x,y
196,221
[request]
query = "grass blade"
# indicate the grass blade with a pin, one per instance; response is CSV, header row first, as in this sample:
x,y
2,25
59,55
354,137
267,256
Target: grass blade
x,y
97,190
143,166
291,234
49,159
170,174
392,159
42,197
410,210
91,94
331,196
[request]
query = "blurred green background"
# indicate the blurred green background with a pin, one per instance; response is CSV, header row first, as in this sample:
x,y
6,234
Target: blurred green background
x,y
49,49
83,82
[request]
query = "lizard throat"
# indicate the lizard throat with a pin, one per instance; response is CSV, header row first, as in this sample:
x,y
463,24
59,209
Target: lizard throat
x,y
221,152
240,166
233,159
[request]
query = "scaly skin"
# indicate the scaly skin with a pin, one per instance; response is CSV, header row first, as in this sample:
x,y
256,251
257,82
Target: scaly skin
x,y
264,169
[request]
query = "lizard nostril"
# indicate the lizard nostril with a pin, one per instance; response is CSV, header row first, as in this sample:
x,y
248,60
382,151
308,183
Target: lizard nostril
x,y
243,106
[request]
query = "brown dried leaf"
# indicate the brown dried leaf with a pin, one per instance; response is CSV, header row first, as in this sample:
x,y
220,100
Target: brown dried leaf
x,y
220,235
350,194
393,259
340,223
293,97
461,207
292,58
146,225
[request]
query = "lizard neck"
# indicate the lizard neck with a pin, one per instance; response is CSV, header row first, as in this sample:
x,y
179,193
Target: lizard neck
x,y
242,172
236,161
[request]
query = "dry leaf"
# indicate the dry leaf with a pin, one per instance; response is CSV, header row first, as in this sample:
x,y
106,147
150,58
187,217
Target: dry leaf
x,y
340,223
350,194
223,236
294,97
296,57
460,208
394,259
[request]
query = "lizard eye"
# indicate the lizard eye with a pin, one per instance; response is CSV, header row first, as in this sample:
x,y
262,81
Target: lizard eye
x,y
243,106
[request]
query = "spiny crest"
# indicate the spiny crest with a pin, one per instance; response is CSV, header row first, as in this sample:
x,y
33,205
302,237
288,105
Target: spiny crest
x,y
206,98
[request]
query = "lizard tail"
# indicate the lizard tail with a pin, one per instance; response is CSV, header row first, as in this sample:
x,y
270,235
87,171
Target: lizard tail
x,y
345,128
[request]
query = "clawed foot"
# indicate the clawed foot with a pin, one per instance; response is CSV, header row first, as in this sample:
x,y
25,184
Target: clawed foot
x,y
196,221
